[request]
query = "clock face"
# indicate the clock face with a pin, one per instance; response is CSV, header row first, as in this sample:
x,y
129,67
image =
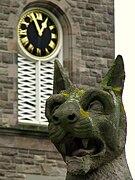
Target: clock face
x,y
38,34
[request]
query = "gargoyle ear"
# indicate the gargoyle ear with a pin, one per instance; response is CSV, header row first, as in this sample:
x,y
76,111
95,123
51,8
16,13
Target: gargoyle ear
x,y
116,76
61,80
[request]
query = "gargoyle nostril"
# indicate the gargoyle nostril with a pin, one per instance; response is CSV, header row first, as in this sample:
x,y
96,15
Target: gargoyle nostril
x,y
72,117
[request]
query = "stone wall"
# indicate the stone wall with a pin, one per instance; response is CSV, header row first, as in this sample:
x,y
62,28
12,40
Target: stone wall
x,y
27,152
88,53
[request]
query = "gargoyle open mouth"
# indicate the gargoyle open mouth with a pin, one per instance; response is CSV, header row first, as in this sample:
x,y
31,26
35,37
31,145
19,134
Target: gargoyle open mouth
x,y
73,146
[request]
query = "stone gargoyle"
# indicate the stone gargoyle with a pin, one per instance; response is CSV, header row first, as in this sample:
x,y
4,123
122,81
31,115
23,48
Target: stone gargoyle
x,y
88,127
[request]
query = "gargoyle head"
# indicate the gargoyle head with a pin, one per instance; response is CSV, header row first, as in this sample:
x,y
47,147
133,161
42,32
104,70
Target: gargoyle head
x,y
88,127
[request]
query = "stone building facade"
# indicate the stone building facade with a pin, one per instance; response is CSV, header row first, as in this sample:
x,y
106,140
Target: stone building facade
x,y
26,152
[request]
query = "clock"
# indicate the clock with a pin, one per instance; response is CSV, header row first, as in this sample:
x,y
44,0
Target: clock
x,y
38,34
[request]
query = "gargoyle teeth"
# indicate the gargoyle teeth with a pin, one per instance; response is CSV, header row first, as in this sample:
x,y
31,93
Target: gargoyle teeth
x,y
62,148
85,143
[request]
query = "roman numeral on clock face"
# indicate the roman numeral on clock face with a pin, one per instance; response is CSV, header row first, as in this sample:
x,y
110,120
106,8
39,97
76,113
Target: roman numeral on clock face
x,y
54,36
39,16
38,52
25,41
46,50
51,27
30,48
23,32
52,44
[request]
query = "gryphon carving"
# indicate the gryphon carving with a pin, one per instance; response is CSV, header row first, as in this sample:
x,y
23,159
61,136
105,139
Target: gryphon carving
x,y
88,127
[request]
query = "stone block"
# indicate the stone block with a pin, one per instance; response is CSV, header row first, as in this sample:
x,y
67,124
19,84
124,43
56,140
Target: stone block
x,y
38,159
75,12
3,96
6,105
81,5
101,42
53,155
6,159
97,17
110,28
110,10
2,178
3,72
7,58
79,20
101,27
108,19
95,52
1,33
106,36
37,152
37,177
12,45
86,13
90,64
7,80
94,1
101,9
5,3
108,53
28,169
90,7
6,10
3,46
7,141
14,4
3,17
8,33
8,167
12,95
12,70
88,28
90,81
96,73
15,176
101,63
53,171
2,173
61,164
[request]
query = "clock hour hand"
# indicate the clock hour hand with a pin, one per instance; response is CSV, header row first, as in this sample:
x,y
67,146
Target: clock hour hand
x,y
36,24
44,25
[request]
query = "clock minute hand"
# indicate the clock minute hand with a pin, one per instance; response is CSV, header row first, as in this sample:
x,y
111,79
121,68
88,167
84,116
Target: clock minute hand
x,y
36,24
44,25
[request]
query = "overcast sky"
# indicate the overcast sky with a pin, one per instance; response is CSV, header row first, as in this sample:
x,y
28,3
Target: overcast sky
x,y
125,45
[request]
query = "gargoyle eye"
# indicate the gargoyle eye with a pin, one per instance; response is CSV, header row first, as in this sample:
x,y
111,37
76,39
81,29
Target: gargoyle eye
x,y
96,106
54,107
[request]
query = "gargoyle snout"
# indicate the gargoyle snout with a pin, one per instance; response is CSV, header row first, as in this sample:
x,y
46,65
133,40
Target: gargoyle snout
x,y
66,113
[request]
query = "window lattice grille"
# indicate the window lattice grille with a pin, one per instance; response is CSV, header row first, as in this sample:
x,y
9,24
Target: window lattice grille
x,y
35,85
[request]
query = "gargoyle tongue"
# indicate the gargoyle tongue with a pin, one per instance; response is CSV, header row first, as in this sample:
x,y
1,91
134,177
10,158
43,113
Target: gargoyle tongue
x,y
83,152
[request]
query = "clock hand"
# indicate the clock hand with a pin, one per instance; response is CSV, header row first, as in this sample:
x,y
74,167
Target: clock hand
x,y
36,24
44,25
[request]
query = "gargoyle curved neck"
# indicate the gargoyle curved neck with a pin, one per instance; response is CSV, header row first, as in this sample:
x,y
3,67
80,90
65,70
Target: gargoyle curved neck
x,y
116,169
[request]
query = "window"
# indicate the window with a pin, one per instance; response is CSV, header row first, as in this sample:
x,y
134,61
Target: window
x,y
35,81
